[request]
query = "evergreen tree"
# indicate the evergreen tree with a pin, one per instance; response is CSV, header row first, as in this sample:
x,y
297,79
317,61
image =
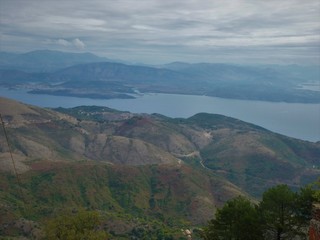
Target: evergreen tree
x,y
237,220
303,209
316,187
278,211
305,199
282,214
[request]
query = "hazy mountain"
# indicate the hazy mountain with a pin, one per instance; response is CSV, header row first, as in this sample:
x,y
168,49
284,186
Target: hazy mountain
x,y
117,80
268,71
231,79
110,71
45,60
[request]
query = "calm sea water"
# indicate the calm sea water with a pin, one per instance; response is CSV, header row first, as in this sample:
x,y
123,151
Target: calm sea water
x,y
292,119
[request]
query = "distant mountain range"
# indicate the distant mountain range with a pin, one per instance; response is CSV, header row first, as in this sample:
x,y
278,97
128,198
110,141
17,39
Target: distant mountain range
x,y
86,75
45,60
138,166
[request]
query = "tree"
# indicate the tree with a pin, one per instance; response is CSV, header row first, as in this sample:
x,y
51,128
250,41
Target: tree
x,y
237,220
81,226
278,212
282,214
316,187
303,205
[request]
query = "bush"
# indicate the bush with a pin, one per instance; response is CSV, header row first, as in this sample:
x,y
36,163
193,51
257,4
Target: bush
x,y
81,226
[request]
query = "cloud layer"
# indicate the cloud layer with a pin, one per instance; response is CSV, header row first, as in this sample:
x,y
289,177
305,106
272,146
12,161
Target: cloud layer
x,y
152,31
76,43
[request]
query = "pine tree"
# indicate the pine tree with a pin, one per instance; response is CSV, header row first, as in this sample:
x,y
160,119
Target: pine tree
x,y
237,220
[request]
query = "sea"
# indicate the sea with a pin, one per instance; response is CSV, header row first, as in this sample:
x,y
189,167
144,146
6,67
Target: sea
x,y
298,120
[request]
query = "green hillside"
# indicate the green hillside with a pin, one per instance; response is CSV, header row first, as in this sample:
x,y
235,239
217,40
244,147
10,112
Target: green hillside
x,y
136,168
177,196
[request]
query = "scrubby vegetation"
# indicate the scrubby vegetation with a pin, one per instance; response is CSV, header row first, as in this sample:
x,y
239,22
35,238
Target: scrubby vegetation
x,y
147,176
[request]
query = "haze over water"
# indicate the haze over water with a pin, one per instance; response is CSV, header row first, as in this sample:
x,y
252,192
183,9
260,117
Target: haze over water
x,y
292,119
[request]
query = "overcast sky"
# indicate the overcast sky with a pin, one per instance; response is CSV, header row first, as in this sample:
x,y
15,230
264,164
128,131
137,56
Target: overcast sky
x,y
159,31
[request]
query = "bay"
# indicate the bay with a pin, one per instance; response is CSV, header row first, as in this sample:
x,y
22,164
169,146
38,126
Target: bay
x,y
296,120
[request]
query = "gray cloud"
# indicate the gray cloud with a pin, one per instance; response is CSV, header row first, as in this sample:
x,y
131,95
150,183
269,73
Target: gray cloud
x,y
163,31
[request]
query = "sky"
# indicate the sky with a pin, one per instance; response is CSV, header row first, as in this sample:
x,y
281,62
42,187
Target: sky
x,y
162,31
